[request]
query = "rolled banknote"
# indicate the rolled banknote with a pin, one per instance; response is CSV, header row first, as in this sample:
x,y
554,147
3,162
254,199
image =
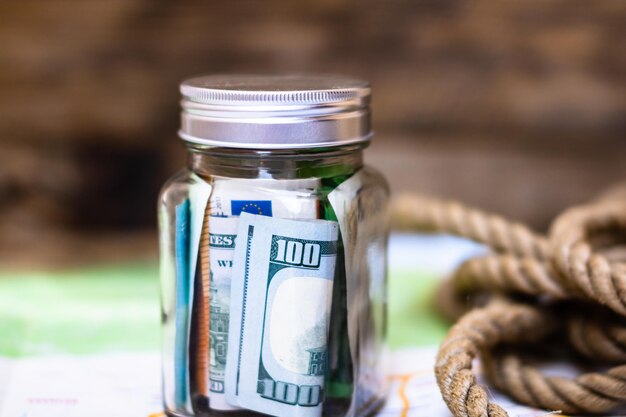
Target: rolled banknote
x,y
364,270
229,199
268,197
199,192
181,249
344,202
223,231
281,296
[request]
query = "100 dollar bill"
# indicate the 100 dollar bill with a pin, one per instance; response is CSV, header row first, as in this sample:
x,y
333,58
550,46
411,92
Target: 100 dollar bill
x,y
280,309
223,231
230,198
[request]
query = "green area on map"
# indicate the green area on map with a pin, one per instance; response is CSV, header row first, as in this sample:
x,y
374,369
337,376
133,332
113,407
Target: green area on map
x,y
81,311
412,318
117,309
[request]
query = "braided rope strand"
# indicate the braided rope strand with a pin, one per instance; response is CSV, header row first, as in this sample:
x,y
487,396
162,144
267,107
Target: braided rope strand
x,y
588,393
481,329
509,273
562,267
601,280
598,337
413,212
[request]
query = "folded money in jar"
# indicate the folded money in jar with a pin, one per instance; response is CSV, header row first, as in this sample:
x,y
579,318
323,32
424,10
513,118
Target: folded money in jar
x,y
273,252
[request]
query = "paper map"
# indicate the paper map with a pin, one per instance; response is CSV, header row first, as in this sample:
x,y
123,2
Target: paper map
x,y
94,351
128,385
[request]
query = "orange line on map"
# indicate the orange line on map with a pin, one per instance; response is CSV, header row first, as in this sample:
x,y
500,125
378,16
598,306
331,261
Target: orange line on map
x,y
404,381
402,394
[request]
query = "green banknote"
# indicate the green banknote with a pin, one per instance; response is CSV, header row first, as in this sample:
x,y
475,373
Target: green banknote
x,y
229,199
281,296
222,234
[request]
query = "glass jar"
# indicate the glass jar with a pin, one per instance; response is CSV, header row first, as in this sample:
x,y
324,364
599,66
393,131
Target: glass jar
x,y
273,252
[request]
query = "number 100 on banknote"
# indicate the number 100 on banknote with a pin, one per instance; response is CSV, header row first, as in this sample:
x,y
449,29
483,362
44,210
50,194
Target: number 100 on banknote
x,y
281,295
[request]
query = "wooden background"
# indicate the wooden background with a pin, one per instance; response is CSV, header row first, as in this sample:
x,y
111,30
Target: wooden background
x,y
516,106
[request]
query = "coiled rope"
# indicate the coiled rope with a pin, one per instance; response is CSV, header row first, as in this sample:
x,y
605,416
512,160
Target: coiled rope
x,y
532,293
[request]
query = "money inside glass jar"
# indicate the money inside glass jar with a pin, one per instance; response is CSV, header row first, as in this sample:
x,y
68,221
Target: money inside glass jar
x,y
273,252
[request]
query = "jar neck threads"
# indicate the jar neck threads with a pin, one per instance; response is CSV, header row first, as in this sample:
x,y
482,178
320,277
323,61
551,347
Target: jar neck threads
x,y
276,164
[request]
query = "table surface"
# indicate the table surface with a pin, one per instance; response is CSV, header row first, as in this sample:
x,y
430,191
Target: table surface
x,y
85,342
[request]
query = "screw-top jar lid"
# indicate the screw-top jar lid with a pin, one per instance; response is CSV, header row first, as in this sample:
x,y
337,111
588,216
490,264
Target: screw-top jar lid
x,y
275,112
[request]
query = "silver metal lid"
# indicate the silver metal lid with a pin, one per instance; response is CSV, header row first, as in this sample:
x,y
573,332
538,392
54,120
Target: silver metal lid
x,y
275,112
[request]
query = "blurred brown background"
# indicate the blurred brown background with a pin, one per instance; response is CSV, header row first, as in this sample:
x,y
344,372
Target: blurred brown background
x,y
518,106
